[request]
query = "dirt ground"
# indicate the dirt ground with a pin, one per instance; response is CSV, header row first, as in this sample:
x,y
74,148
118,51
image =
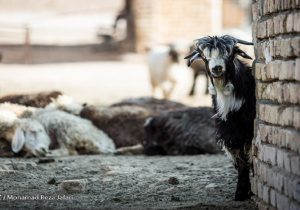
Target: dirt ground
x,y
120,182
112,182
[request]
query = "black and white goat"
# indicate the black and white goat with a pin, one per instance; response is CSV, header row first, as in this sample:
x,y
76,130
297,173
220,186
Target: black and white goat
x,y
233,94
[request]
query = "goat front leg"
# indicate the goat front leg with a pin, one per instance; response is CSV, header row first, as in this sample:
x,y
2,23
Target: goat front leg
x,y
243,188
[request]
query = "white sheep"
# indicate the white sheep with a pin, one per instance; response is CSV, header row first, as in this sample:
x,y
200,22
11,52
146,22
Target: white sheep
x,y
160,61
44,129
22,134
65,103
73,133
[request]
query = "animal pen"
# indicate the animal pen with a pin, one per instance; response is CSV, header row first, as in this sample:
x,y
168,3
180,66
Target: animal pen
x,y
99,109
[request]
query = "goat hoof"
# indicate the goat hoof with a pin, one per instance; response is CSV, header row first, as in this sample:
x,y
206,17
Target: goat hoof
x,y
241,196
191,94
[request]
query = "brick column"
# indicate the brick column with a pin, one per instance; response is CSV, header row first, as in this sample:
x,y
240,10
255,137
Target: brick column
x,y
276,146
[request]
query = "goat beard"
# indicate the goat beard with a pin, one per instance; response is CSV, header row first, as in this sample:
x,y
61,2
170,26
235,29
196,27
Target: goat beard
x,y
219,82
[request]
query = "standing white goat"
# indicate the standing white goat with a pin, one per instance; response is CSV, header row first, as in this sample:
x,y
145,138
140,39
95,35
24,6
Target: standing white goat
x,y
160,60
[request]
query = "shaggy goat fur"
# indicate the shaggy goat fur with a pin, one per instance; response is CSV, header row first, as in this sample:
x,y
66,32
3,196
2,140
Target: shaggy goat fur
x,y
123,124
124,121
181,132
233,89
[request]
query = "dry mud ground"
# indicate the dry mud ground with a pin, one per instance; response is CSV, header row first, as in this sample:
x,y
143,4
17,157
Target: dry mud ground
x,y
120,182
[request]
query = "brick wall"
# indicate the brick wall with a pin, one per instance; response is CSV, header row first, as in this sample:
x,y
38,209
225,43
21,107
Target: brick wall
x,y
233,15
276,146
165,21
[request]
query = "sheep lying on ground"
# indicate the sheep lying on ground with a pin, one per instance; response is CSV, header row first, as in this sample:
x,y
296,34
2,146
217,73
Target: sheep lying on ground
x,y
65,103
124,124
170,127
160,60
21,134
124,121
180,132
41,99
35,132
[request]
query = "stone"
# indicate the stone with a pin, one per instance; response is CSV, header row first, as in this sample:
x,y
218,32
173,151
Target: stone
x,y
74,186
173,181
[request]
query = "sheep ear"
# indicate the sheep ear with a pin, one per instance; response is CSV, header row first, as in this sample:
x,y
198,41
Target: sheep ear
x,y
18,141
242,53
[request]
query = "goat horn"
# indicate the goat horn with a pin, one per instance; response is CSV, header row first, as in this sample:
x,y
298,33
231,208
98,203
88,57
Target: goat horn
x,y
243,42
239,40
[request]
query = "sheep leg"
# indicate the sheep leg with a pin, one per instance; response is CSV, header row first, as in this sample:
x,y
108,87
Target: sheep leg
x,y
153,86
207,84
243,188
167,93
192,91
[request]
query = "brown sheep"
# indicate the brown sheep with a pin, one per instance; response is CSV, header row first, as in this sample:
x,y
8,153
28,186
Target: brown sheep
x,y
124,121
41,99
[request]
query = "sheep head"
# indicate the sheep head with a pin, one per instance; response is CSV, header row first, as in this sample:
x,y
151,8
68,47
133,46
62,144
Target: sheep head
x,y
31,137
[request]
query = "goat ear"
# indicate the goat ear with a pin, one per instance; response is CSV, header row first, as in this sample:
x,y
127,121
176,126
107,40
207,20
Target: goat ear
x,y
240,52
18,141
192,57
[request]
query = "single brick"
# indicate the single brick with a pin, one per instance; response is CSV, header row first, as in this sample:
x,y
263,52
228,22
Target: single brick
x,y
292,140
266,194
280,159
270,27
285,116
297,69
288,186
296,22
296,193
295,164
287,47
295,45
273,197
287,70
269,154
261,29
255,11
278,181
259,67
272,70
294,206
259,189
282,202
290,23
279,24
